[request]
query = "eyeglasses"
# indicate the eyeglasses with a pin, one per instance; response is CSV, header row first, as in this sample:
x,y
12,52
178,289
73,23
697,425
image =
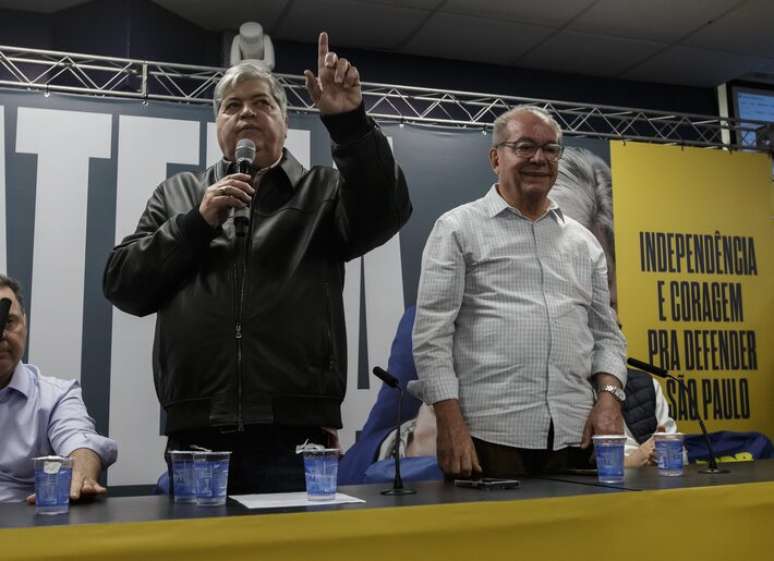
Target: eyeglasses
x,y
526,149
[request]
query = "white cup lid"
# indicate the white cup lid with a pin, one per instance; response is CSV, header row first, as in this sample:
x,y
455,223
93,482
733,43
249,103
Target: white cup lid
x,y
52,464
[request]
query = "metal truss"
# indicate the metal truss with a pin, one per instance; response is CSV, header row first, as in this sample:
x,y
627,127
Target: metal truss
x,y
52,71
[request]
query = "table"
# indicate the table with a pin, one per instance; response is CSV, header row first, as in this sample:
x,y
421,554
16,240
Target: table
x,y
648,479
144,509
544,519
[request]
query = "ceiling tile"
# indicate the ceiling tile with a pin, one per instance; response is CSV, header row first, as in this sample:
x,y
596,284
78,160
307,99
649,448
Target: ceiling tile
x,y
584,53
767,66
763,78
553,14
747,30
474,38
695,67
40,6
428,5
225,14
350,23
657,20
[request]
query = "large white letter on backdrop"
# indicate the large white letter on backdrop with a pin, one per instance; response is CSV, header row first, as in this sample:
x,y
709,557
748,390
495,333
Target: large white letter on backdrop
x,y
64,141
383,288
3,217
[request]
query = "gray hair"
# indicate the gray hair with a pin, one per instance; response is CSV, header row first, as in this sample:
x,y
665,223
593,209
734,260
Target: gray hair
x,y
584,191
243,72
13,284
584,188
500,132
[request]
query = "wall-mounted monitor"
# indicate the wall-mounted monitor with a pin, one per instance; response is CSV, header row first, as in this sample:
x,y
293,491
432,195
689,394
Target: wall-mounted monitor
x,y
752,102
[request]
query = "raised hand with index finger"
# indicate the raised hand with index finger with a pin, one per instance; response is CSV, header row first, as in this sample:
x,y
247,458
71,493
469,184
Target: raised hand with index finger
x,y
336,88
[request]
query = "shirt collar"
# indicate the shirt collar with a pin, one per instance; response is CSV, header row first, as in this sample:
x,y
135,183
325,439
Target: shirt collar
x,y
495,204
20,381
555,211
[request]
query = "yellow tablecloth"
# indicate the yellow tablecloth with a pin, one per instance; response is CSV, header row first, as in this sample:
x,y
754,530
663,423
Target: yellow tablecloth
x,y
707,523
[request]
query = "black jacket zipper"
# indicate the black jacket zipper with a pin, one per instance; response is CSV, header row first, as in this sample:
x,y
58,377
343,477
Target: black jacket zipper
x,y
242,276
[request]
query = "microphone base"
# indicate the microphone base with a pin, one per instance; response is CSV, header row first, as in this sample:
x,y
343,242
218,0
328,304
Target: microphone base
x,y
399,492
711,470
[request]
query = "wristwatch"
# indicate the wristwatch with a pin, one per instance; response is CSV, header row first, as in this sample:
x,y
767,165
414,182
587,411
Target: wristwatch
x,y
617,392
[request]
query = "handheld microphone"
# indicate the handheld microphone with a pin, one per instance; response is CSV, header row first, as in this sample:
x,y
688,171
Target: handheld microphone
x,y
662,373
244,156
397,483
5,310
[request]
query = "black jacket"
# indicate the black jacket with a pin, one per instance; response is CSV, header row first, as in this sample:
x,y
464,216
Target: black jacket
x,y
639,408
277,352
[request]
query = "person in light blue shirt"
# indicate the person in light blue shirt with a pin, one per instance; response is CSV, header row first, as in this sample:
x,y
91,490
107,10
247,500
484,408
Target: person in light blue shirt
x,y
40,416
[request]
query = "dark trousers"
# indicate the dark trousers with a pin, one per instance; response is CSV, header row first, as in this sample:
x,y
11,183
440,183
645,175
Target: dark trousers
x,y
504,461
263,458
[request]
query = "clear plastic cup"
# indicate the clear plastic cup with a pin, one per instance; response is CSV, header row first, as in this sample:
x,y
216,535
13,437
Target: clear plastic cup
x,y
53,475
321,468
669,453
183,483
609,451
211,477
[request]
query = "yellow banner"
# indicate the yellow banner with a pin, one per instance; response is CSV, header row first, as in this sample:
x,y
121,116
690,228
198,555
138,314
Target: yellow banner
x,y
694,258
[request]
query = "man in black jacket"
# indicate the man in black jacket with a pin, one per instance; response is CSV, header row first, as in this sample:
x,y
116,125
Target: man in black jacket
x,y
249,352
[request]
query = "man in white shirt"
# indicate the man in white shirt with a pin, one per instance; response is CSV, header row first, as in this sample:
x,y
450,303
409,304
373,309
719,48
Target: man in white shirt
x,y
514,319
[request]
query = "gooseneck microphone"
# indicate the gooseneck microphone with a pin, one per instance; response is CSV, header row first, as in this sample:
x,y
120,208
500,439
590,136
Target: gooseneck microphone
x,y
649,368
397,483
386,377
5,310
662,373
244,156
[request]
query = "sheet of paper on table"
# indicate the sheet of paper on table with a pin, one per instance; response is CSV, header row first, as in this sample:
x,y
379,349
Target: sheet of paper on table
x,y
285,500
